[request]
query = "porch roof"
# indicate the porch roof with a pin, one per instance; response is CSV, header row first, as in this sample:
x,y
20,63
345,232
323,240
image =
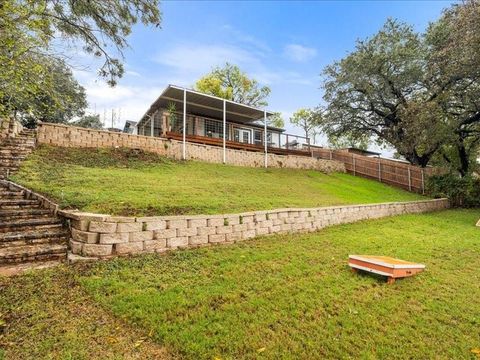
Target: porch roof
x,y
205,105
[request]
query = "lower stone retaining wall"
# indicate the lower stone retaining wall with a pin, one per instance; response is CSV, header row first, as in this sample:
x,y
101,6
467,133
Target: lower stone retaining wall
x,y
71,136
96,235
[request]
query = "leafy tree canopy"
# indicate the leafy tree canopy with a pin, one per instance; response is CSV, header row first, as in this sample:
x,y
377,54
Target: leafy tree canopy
x,y
60,101
308,120
342,142
416,92
276,120
230,83
35,33
89,121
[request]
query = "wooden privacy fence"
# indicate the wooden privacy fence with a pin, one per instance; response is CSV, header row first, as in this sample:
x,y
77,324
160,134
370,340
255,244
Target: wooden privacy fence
x,y
406,176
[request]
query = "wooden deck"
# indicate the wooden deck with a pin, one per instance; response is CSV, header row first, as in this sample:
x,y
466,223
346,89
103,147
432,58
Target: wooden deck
x,y
237,145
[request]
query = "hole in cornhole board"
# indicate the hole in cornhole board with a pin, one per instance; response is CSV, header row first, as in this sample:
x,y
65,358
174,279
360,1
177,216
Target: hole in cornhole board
x,y
386,266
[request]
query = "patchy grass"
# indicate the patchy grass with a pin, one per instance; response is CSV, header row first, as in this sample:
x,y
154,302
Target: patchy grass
x,y
126,182
277,297
47,315
295,297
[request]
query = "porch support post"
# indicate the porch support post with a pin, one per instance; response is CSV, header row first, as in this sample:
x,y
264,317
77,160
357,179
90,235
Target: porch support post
x,y
184,148
265,136
152,124
224,131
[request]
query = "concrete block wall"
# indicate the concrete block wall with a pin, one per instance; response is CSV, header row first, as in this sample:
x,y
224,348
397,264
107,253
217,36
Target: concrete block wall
x,y
70,136
9,128
100,236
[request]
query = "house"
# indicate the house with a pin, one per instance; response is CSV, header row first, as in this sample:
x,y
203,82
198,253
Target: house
x,y
129,126
188,115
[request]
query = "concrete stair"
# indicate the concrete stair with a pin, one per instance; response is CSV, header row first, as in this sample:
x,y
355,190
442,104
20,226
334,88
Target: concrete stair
x,y
13,150
30,234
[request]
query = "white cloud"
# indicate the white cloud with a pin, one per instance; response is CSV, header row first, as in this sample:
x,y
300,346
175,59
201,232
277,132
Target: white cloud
x,y
299,53
240,37
197,59
129,102
187,62
132,73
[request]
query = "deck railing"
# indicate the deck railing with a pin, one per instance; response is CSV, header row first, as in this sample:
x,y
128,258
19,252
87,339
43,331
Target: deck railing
x,y
230,144
288,142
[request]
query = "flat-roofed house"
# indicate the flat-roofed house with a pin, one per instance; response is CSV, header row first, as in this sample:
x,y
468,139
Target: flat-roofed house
x,y
190,116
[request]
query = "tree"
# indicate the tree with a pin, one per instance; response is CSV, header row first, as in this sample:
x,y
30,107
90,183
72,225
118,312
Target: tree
x,y
276,120
89,121
50,29
455,66
308,120
341,142
61,101
22,42
368,93
419,93
233,84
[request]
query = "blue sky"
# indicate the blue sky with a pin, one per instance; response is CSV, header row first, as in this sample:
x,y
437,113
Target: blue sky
x,y
284,45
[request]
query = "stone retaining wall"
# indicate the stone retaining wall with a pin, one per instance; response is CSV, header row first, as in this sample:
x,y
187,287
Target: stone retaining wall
x,y
9,128
96,235
70,136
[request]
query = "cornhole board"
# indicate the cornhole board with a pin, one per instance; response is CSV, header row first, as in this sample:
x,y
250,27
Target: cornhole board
x,y
383,265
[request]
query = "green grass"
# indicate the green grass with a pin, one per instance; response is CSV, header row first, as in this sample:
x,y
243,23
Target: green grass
x,y
48,315
123,182
280,297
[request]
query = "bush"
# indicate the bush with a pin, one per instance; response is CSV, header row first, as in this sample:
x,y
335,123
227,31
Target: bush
x,y
462,192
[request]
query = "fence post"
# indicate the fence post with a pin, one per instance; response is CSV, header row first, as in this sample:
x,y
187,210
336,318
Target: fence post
x,y
354,170
331,156
286,144
409,179
423,184
379,170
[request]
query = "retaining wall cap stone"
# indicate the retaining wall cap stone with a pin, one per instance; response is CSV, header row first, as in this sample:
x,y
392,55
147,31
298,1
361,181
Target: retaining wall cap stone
x,y
78,215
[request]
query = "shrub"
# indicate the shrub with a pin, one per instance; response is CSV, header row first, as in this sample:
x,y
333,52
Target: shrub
x,y
462,192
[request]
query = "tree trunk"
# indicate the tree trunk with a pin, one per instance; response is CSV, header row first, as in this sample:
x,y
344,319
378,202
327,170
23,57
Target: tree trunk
x,y
464,165
415,159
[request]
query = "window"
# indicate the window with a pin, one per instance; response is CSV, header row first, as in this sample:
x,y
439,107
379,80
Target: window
x,y
241,135
258,139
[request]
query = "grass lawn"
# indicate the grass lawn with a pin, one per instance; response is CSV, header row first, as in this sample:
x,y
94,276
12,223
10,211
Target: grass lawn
x,y
290,296
122,182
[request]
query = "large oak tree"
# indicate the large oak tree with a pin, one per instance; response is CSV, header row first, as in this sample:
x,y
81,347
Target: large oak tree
x,y
416,92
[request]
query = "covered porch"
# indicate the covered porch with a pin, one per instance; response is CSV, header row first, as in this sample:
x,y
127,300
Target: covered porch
x,y
189,116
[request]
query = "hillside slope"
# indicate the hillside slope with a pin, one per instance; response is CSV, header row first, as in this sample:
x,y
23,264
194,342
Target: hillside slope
x,y
127,182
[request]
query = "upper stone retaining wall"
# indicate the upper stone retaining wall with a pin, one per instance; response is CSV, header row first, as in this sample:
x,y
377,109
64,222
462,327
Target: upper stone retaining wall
x,y
70,136
100,236
9,128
